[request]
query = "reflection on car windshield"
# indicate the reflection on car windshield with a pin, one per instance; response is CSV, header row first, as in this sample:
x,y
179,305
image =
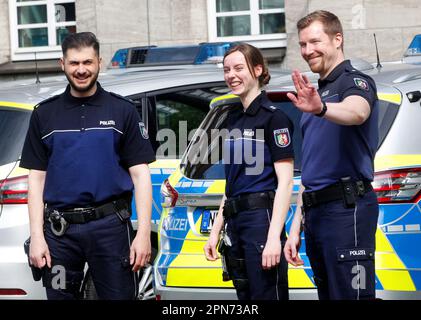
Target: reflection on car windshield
x,y
387,114
203,159
13,126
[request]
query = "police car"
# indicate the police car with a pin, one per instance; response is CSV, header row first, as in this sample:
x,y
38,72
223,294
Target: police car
x,y
192,194
164,99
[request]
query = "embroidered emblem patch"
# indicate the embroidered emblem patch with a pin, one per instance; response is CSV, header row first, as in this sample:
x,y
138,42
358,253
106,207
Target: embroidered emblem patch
x,y
361,83
282,137
143,130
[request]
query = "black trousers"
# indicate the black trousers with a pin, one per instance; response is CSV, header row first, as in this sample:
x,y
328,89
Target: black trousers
x,y
105,245
247,232
340,244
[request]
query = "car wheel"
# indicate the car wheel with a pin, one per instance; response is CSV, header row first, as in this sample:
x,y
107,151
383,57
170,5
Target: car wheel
x,y
146,290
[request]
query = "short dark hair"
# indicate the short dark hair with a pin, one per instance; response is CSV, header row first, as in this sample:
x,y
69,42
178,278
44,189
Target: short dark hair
x,y
253,58
331,23
80,40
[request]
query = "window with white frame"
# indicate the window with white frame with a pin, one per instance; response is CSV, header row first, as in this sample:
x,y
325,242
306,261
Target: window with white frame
x,y
39,26
261,22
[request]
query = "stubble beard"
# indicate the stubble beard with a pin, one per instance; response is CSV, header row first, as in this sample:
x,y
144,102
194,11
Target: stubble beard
x,y
84,89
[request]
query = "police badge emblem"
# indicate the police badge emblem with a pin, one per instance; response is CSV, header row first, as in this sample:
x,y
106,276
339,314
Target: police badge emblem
x,y
143,130
361,83
282,137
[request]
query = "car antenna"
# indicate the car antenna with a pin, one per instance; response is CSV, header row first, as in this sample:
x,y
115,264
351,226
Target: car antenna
x,y
37,81
379,66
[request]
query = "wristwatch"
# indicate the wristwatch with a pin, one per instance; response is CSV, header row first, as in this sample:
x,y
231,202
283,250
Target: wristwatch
x,y
324,109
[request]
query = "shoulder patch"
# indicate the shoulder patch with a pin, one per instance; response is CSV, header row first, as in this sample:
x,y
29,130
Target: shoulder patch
x,y
282,137
362,84
47,100
121,97
143,130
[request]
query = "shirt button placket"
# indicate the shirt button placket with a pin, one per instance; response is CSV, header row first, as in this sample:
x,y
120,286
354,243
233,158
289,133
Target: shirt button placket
x,y
83,118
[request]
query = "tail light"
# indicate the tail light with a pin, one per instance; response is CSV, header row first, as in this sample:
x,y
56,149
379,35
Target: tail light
x,y
14,190
169,195
398,185
12,292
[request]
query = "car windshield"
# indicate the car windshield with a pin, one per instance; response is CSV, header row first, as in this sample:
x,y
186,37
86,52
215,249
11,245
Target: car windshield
x,y
203,159
13,126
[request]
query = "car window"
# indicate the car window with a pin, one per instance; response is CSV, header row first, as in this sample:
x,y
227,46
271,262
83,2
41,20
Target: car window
x,y
13,126
176,115
387,114
203,159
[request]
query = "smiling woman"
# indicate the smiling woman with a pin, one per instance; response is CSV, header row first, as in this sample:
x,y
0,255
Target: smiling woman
x,y
257,193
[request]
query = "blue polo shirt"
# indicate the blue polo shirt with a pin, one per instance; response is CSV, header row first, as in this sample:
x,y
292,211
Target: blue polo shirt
x,y
86,146
256,138
331,151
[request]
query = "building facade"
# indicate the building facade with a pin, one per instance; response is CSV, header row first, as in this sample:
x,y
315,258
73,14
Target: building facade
x,y
394,22
34,29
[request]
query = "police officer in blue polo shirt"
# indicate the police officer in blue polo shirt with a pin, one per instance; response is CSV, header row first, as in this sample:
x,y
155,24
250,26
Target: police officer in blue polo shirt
x,y
259,171
86,150
340,139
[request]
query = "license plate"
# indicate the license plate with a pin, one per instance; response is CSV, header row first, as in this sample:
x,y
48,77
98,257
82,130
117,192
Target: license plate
x,y
208,217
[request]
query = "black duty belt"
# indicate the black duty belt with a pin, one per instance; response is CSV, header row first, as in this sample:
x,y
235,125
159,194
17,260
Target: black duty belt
x,y
84,215
345,190
251,201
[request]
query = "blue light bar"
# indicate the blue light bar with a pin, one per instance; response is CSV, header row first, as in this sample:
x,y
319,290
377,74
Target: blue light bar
x,y
119,59
176,55
414,48
209,50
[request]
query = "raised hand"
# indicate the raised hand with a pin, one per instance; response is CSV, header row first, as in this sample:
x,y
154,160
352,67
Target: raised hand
x,y
307,98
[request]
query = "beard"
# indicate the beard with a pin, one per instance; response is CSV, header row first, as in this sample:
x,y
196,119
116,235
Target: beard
x,y
85,88
316,67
